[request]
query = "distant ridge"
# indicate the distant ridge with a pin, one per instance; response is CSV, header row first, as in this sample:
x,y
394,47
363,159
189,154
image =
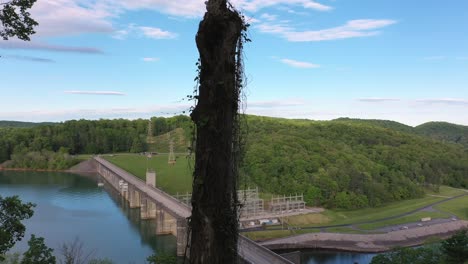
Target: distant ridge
x,y
19,124
444,131
441,131
381,123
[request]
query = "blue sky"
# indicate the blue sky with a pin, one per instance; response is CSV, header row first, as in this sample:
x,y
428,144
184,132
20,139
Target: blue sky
x,y
388,59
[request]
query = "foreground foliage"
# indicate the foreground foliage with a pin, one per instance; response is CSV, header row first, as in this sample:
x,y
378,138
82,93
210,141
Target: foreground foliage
x,y
12,212
451,251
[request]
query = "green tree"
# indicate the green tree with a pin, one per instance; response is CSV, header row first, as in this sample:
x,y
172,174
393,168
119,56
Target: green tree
x,y
162,259
456,247
12,212
101,261
423,255
38,252
15,19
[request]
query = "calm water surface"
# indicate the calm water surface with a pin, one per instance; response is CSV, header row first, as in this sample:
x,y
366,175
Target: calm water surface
x,y
70,206
333,257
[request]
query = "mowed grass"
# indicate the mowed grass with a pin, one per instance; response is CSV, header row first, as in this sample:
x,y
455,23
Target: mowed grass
x,y
447,191
458,207
307,219
345,230
369,214
412,218
340,217
272,234
172,179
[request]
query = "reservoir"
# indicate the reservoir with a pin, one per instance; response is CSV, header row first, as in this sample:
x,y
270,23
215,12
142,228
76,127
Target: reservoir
x,y
70,206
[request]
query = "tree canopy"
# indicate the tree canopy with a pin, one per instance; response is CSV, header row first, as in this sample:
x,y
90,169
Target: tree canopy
x,y
12,212
16,20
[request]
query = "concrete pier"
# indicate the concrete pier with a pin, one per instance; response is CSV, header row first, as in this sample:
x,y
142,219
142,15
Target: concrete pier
x,y
170,214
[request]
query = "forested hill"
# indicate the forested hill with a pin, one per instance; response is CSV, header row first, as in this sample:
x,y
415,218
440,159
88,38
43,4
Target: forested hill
x,y
441,131
380,123
348,164
342,163
22,124
445,132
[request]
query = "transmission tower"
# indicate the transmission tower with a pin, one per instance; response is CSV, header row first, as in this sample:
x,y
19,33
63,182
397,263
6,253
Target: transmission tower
x,y
150,138
171,158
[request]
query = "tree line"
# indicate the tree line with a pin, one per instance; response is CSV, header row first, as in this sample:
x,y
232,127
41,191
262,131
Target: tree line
x,y
83,137
347,164
337,163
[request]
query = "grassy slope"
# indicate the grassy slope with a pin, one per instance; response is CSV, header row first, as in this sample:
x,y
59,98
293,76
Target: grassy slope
x,y
458,207
161,143
172,179
339,217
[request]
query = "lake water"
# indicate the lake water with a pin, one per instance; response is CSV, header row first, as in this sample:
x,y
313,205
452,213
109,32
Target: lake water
x,y
333,257
71,206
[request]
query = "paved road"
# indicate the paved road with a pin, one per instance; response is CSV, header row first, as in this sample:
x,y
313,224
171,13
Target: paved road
x,y
364,222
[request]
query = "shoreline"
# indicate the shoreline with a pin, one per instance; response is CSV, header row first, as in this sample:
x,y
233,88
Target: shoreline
x,y
371,243
85,166
29,169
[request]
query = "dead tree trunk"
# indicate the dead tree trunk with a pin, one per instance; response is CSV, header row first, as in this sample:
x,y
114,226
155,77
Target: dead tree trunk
x,y
214,222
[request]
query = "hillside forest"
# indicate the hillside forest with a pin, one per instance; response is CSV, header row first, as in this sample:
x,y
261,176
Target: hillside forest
x,y
344,163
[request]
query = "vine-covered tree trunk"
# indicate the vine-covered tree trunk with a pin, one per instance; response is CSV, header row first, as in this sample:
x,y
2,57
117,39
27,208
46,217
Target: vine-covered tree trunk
x,y
214,222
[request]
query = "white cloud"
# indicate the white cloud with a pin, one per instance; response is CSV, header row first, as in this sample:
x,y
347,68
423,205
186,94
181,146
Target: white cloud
x,y
255,5
95,113
377,99
196,8
39,45
27,58
299,64
150,59
268,17
352,29
149,32
447,101
157,33
95,92
71,17
276,103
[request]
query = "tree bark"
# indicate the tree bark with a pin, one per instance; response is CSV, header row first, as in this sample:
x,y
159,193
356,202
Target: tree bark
x,y
214,221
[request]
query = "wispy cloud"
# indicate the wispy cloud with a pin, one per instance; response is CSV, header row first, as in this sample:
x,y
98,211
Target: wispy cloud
x,y
299,64
377,99
277,103
352,29
157,33
35,45
95,113
196,8
447,101
150,59
27,58
149,32
462,58
255,5
71,17
268,17
95,92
